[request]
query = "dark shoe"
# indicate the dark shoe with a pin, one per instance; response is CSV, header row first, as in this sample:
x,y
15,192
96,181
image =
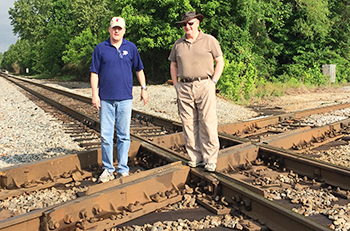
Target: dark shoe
x,y
194,164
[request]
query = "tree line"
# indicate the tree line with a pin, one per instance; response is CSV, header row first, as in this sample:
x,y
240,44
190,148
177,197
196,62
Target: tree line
x,y
262,40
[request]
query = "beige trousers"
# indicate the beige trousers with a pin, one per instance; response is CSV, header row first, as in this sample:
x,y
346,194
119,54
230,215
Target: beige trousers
x,y
197,109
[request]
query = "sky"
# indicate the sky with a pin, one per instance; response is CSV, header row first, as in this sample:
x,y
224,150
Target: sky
x,y
7,37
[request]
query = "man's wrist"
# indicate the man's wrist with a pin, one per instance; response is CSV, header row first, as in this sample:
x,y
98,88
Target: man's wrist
x,y
144,87
215,81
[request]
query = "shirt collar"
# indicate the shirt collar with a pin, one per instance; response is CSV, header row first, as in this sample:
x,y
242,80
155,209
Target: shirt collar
x,y
199,37
108,42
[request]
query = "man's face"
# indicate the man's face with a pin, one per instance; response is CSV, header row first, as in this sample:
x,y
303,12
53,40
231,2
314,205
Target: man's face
x,y
116,33
190,26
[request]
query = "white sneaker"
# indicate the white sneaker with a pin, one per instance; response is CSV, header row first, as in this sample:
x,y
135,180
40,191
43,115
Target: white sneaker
x,y
122,174
105,176
210,167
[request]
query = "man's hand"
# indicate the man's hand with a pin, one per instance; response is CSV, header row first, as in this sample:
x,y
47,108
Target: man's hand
x,y
96,102
144,96
94,86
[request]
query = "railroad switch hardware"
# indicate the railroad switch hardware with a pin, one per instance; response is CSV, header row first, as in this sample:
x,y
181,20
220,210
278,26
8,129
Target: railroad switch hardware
x,y
213,206
249,226
341,193
159,197
134,207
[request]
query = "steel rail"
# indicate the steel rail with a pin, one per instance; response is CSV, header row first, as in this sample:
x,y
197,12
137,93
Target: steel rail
x,y
249,202
309,136
330,174
171,138
301,165
104,202
271,214
90,122
224,129
135,113
63,216
271,120
14,179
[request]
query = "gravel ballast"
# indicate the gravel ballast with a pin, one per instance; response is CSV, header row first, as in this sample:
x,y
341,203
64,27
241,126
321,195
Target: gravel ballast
x,y
27,133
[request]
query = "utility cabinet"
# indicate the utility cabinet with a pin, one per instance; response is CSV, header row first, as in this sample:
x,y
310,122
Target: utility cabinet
x,y
329,70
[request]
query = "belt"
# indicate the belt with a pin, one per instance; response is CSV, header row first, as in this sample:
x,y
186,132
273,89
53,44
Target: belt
x,y
187,80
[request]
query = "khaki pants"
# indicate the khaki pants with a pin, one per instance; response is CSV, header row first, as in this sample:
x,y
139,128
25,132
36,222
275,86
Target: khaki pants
x,y
197,109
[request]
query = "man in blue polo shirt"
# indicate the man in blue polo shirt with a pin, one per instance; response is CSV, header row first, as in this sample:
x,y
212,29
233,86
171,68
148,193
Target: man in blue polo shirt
x,y
112,82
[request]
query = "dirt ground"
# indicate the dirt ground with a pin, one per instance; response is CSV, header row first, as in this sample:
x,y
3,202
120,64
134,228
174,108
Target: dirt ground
x,y
293,100
300,99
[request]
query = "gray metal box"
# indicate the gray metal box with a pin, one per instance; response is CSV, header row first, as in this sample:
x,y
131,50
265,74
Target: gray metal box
x,y
329,70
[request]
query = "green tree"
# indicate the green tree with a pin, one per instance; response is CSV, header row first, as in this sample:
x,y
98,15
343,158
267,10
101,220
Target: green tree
x,y
50,25
1,58
340,13
151,26
91,22
18,57
30,18
78,54
89,14
272,40
303,36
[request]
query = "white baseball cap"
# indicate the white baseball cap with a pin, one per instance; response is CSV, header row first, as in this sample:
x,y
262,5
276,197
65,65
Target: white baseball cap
x,y
117,21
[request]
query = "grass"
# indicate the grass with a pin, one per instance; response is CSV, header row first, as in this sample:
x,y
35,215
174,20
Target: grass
x,y
270,90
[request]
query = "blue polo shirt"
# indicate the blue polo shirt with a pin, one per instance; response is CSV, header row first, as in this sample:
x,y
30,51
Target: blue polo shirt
x,y
115,77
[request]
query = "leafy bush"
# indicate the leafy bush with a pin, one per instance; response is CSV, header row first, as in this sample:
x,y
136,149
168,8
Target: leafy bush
x,y
238,80
263,41
268,89
19,57
78,54
307,75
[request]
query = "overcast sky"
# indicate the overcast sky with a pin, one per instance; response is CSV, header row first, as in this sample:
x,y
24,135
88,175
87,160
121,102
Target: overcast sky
x,y
6,35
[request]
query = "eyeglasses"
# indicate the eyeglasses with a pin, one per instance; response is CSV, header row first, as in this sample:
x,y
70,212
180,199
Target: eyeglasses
x,y
118,28
189,23
120,54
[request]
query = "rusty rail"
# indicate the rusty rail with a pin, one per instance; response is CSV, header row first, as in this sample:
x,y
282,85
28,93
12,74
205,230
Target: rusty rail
x,y
115,202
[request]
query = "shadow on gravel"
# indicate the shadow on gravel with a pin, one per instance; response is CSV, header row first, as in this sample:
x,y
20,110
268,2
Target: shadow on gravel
x,y
189,214
266,111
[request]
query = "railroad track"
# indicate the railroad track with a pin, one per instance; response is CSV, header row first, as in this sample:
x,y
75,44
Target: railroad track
x,y
80,108
264,129
252,181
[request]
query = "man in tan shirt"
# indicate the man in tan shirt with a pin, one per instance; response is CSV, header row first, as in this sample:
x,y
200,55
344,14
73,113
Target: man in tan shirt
x,y
192,62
